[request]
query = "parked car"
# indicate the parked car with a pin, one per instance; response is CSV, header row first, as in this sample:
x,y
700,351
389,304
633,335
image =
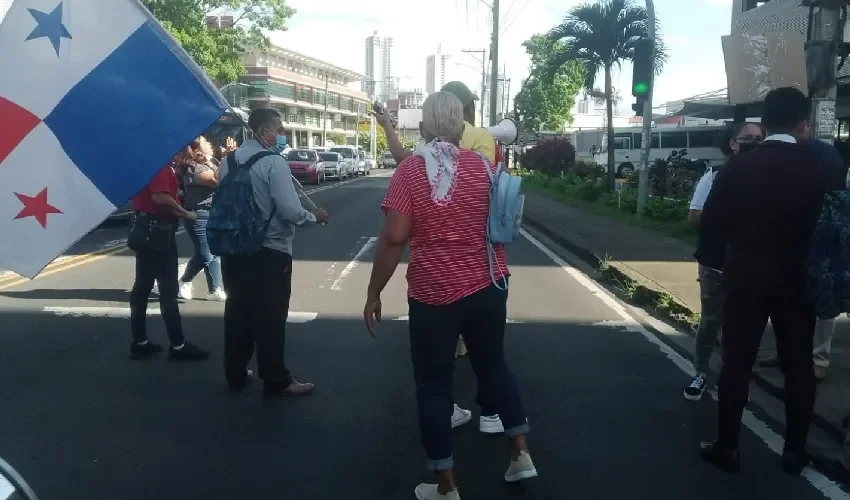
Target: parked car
x,y
123,214
335,167
320,150
349,157
388,161
306,165
364,166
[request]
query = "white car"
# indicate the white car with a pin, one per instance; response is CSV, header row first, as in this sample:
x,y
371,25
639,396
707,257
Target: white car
x,y
335,167
364,165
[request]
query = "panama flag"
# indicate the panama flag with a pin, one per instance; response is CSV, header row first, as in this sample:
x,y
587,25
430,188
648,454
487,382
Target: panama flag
x,y
95,98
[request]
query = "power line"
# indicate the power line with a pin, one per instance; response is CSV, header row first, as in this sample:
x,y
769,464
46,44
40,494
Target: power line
x,y
516,16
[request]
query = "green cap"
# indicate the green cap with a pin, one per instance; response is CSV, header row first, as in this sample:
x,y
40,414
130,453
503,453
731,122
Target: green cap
x,y
461,91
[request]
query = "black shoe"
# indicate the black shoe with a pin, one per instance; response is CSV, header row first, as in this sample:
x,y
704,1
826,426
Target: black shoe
x,y
725,460
293,389
242,383
793,463
695,390
146,350
189,352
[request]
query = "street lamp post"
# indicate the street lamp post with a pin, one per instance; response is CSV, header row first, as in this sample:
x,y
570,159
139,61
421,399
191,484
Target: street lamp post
x,y
643,173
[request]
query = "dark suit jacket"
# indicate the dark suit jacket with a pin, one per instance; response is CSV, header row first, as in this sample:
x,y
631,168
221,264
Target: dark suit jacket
x,y
764,205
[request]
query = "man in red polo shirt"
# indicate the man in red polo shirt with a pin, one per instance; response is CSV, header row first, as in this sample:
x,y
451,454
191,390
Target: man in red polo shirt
x,y
158,207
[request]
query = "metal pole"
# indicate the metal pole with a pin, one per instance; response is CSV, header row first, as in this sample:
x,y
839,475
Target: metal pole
x,y
643,172
325,118
824,93
494,66
373,130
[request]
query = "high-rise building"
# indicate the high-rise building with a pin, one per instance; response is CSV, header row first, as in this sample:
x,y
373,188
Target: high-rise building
x,y
379,67
437,69
411,99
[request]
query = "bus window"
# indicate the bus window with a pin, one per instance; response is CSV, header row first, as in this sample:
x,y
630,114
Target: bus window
x,y
702,139
653,143
677,140
622,143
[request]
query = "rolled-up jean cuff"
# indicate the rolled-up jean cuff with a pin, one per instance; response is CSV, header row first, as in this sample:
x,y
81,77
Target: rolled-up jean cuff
x,y
518,430
442,464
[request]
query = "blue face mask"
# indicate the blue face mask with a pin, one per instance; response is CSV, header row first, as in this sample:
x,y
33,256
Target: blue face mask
x,y
281,141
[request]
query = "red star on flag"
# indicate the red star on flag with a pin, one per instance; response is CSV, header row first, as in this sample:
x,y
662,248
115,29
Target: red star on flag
x,y
36,206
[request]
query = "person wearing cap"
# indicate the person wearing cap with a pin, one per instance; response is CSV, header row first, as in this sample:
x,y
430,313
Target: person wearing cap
x,y
480,140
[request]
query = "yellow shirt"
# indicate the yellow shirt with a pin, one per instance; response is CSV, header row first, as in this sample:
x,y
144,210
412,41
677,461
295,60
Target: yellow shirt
x,y
479,140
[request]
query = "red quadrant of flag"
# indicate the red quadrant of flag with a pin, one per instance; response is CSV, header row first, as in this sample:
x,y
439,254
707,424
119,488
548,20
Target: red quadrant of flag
x,y
36,206
17,124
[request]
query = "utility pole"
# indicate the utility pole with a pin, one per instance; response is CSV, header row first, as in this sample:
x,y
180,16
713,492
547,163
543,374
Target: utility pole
x,y
643,173
825,34
325,117
483,78
494,60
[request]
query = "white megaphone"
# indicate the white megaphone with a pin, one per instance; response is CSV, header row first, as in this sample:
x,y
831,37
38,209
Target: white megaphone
x,y
505,131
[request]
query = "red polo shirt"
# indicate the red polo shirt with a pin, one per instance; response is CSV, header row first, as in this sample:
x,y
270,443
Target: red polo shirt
x,y
165,181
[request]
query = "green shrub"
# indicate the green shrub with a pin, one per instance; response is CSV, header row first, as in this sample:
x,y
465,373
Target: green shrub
x,y
666,210
586,171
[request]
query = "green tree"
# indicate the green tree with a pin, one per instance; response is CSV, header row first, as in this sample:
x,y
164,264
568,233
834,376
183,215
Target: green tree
x,y
219,51
601,36
381,145
546,102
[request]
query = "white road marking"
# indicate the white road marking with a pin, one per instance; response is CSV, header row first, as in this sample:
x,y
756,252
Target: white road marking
x,y
407,318
773,440
124,312
347,270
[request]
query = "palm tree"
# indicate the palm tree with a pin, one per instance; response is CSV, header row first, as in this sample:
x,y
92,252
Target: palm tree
x,y
602,35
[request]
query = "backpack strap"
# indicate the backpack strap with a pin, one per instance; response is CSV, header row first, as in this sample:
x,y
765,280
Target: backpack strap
x,y
254,159
491,252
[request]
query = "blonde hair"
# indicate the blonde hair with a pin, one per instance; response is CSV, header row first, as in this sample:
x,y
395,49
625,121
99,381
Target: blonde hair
x,y
442,117
200,150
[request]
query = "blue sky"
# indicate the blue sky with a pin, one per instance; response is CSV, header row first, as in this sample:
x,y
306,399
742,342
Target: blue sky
x,y
335,30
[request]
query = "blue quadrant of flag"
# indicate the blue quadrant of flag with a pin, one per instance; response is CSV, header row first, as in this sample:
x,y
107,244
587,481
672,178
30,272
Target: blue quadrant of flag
x,y
136,108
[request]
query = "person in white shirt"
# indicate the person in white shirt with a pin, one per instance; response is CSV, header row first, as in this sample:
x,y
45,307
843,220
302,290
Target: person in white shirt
x,y
710,255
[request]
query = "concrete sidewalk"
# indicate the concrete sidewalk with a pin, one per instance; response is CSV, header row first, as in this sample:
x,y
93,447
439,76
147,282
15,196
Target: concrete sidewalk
x,y
667,265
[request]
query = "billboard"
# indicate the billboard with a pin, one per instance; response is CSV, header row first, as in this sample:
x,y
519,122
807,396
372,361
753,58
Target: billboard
x,y
757,64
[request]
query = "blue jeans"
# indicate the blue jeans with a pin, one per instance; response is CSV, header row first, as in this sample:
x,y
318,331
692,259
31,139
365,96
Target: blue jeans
x,y
433,339
203,259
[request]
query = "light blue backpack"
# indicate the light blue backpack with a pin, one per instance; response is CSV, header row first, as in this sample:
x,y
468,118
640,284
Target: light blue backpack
x,y
505,217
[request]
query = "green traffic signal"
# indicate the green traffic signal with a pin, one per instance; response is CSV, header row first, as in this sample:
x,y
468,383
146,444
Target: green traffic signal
x,y
640,88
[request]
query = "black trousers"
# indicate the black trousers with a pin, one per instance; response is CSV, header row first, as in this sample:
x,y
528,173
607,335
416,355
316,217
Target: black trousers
x,y
745,317
160,266
258,288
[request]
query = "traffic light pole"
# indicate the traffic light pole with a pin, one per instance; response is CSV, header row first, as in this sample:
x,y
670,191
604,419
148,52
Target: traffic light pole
x,y
646,141
824,32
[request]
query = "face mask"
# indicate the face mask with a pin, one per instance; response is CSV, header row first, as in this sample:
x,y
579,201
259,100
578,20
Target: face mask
x,y
281,141
745,147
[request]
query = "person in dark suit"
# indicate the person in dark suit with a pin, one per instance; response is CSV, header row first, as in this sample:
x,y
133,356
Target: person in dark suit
x,y
764,205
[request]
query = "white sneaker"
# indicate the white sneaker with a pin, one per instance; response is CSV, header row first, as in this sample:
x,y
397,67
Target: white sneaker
x,y
490,425
460,416
218,295
521,468
430,492
185,291
460,350
181,270
155,289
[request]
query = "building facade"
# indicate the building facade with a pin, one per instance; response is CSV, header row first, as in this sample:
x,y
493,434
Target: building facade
x,y
295,85
379,54
411,99
437,71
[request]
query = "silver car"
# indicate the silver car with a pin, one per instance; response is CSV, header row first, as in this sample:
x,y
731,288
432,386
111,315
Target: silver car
x,y
335,167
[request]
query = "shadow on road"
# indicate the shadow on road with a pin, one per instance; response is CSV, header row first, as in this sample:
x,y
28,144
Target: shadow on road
x,y
605,406
93,294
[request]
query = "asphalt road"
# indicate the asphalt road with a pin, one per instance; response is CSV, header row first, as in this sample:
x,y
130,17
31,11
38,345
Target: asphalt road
x,y
79,420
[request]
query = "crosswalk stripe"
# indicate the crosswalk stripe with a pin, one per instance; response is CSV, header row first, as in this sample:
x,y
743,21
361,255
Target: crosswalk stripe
x,y
295,317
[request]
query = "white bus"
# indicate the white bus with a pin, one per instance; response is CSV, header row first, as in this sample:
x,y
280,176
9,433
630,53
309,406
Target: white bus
x,y
701,142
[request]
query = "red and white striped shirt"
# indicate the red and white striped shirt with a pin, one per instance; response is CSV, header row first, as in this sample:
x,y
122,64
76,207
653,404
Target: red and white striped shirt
x,y
448,244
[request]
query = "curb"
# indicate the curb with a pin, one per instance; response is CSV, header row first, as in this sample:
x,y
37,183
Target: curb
x,y
833,431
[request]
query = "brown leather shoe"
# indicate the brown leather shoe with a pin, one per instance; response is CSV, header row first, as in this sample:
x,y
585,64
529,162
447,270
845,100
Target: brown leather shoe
x,y
294,389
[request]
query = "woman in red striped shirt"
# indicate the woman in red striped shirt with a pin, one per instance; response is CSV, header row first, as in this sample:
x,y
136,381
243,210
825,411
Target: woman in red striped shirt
x,y
438,201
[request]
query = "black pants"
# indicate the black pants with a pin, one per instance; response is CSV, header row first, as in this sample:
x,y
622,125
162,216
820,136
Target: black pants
x,y
258,288
745,317
160,266
433,339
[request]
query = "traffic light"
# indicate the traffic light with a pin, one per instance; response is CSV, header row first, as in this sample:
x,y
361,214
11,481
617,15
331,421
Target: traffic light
x,y
638,106
642,69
